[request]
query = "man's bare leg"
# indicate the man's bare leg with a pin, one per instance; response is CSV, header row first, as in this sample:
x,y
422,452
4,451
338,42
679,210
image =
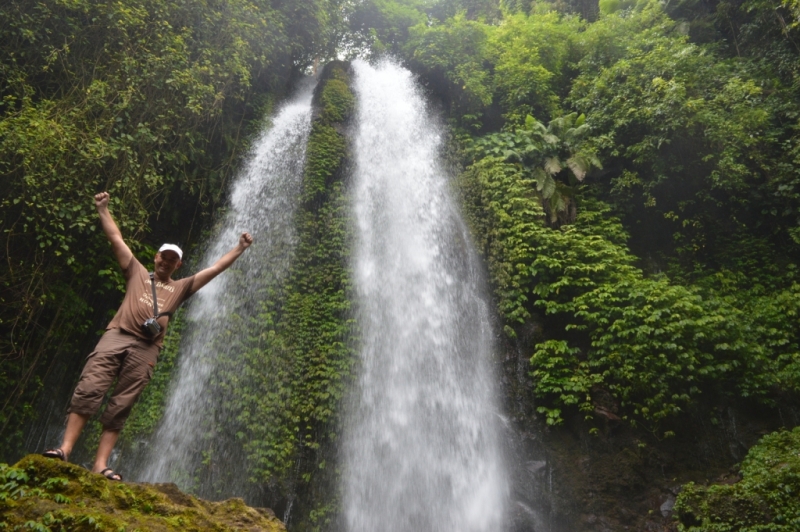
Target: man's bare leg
x,y
107,441
75,424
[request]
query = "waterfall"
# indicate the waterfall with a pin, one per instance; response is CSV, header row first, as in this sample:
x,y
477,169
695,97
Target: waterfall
x,y
421,450
263,201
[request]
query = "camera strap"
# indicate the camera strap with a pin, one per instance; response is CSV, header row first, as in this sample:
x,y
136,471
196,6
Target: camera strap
x,y
155,298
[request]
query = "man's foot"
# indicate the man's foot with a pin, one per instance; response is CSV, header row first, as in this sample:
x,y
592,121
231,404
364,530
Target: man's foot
x,y
110,474
58,454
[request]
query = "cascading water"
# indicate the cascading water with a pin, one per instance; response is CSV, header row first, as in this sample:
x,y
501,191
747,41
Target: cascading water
x,y
263,202
421,442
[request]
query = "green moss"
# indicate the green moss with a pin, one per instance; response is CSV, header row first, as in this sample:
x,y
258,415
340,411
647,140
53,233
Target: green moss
x,y
48,495
336,100
767,499
327,145
324,155
291,423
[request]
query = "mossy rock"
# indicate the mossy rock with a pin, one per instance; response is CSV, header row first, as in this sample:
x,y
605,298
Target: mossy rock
x,y
334,102
766,499
43,494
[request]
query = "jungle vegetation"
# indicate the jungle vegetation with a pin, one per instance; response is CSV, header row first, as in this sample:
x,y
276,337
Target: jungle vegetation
x,y
630,170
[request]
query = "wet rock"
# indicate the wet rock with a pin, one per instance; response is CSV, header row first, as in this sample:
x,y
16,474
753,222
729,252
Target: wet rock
x,y
607,415
534,466
667,506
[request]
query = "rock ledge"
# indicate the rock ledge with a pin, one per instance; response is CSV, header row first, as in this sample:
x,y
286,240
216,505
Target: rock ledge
x,y
42,494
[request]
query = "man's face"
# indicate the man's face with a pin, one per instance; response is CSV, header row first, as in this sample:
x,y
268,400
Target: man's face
x,y
166,263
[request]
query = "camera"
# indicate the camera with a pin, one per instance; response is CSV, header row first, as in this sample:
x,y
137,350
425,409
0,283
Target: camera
x,y
151,327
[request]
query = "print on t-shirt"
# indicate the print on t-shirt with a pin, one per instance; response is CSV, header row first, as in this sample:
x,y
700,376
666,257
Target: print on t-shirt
x,y
147,294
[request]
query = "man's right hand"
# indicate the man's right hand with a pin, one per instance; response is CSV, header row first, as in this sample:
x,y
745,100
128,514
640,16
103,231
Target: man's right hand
x,y
101,200
118,246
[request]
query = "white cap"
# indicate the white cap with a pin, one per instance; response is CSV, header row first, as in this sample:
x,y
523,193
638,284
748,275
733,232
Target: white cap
x,y
171,247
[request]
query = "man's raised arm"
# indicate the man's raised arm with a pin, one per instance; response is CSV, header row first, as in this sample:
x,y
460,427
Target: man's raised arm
x,y
203,277
120,249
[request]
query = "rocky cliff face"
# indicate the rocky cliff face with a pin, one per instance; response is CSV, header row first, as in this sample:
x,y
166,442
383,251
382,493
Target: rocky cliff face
x,y
44,494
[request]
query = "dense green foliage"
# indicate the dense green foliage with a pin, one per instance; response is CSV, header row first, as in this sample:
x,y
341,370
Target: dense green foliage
x,y
148,100
546,153
653,345
764,500
513,69
671,271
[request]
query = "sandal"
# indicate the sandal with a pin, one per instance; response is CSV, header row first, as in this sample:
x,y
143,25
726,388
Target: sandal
x,y
111,475
57,454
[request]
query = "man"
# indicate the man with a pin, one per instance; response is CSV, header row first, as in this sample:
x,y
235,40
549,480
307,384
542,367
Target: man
x,y
127,352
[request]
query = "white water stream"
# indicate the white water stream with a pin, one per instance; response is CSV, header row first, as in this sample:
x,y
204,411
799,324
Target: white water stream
x,y
421,450
263,202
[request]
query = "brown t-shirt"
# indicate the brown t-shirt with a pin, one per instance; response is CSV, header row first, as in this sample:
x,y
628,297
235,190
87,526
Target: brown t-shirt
x,y
138,303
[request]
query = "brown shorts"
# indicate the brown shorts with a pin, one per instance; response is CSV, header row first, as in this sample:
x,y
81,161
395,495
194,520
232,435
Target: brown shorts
x,y
121,356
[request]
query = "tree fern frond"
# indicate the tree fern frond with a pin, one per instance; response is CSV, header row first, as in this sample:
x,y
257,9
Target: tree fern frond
x,y
552,165
579,166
